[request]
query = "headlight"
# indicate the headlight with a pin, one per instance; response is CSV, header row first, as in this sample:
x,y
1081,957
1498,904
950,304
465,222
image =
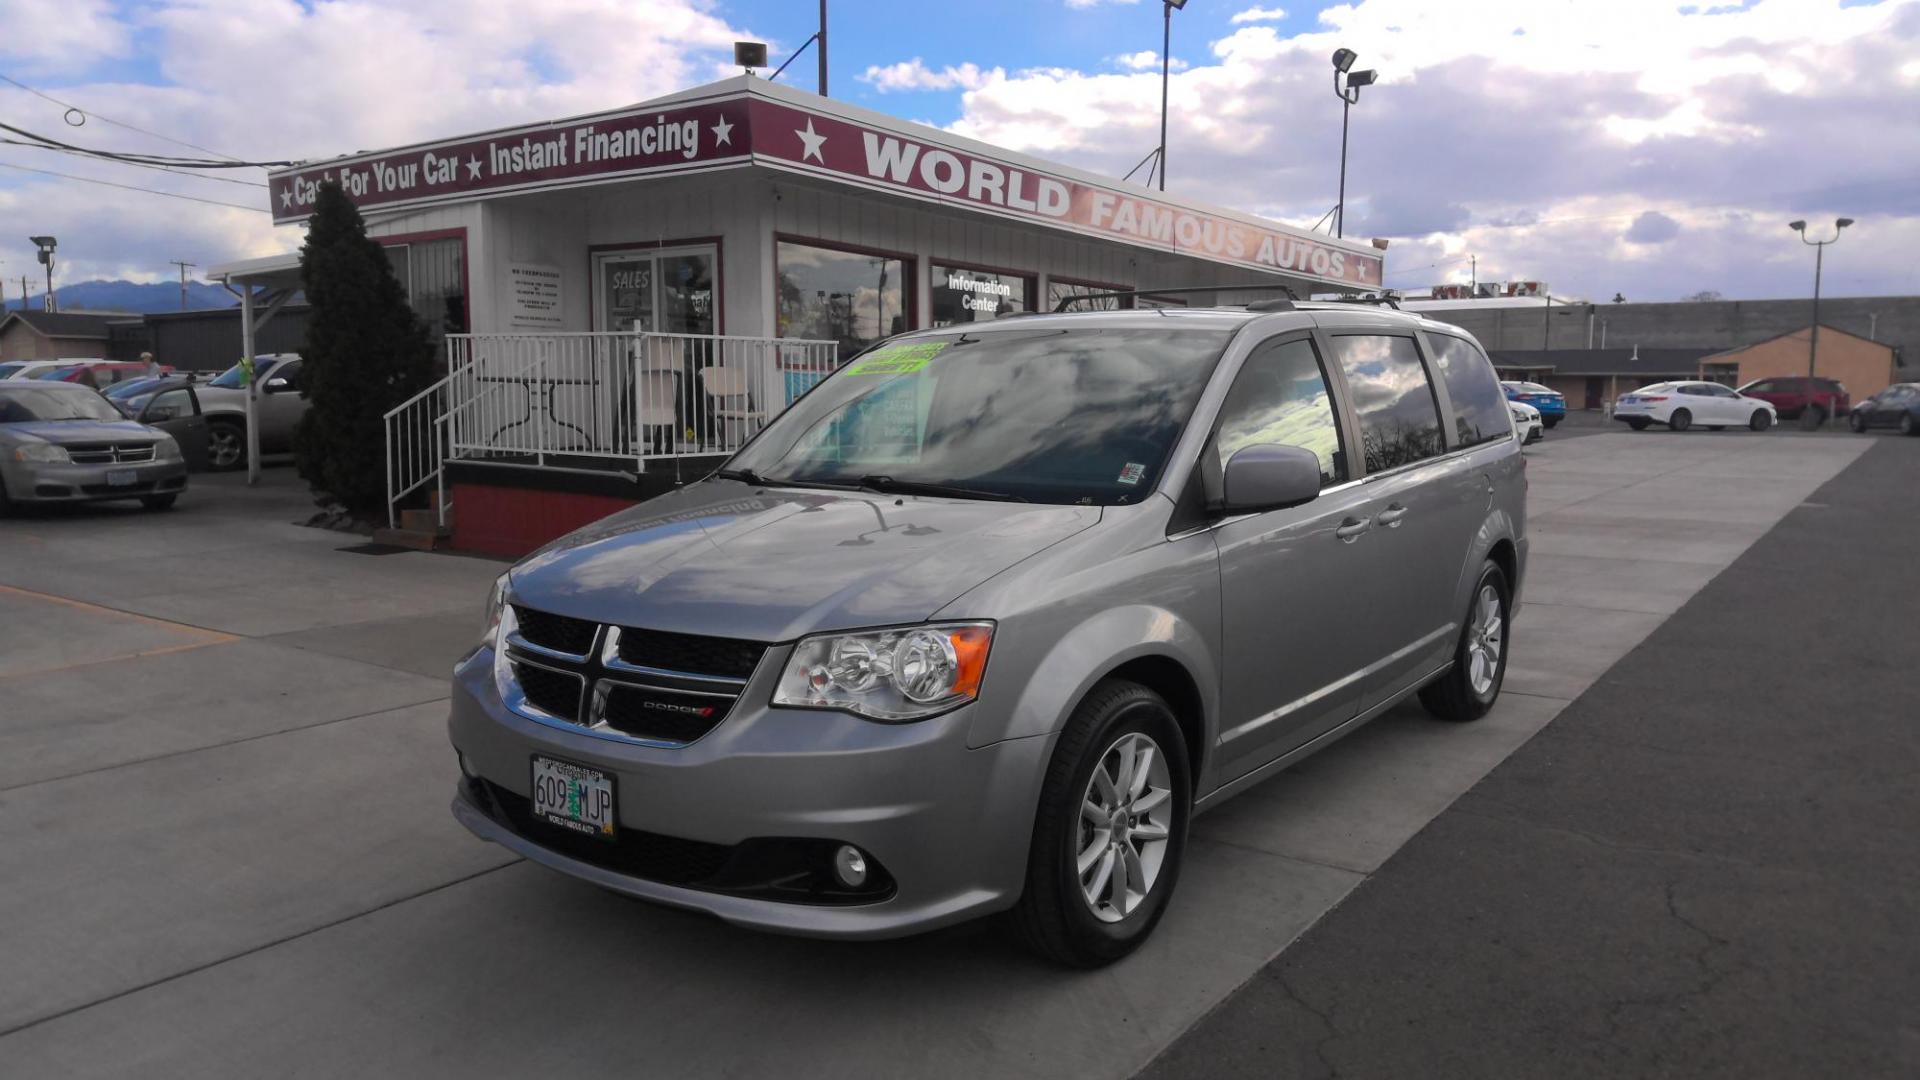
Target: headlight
x,y
45,453
905,674
166,449
496,603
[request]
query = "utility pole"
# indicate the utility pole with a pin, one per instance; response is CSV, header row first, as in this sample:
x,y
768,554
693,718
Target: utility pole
x,y
184,267
823,49
1473,275
1811,416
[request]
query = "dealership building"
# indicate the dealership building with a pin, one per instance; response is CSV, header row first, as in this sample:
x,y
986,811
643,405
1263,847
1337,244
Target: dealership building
x,y
626,295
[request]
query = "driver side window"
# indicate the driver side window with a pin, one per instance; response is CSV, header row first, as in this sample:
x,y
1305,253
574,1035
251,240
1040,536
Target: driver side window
x,y
1281,397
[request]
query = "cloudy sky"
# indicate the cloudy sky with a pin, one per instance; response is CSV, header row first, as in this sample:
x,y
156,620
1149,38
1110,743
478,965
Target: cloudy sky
x,y
1654,149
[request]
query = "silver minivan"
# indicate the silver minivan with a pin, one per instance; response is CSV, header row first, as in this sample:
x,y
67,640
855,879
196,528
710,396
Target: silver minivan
x,y
980,623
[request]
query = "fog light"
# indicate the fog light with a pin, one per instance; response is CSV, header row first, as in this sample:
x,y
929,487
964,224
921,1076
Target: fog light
x,y
850,866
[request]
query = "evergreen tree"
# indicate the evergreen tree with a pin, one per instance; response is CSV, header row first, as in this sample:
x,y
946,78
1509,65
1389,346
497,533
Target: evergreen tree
x,y
366,353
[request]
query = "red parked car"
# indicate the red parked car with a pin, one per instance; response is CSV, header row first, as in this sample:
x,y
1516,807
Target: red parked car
x,y
1789,395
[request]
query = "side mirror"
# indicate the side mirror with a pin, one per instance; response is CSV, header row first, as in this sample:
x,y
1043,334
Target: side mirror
x,y
1269,477
277,386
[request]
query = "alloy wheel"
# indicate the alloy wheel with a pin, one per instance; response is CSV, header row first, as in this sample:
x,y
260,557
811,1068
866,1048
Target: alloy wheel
x,y
1486,639
224,449
1126,817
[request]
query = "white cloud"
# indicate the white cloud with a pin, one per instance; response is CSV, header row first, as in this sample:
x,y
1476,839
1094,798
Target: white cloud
x,y
1082,4
1147,60
1506,129
267,79
1258,14
914,74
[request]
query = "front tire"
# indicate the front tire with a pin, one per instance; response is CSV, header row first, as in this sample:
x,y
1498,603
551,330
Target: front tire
x,y
1471,686
1549,421
1110,831
1761,420
1907,425
1858,422
1813,418
1681,420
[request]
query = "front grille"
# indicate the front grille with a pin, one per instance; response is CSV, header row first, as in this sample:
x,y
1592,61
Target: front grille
x,y
690,653
557,632
554,692
109,453
691,683
653,712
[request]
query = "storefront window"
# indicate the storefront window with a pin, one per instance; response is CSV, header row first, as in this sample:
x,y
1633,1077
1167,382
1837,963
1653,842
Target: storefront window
x,y
1059,289
854,298
661,291
963,296
433,274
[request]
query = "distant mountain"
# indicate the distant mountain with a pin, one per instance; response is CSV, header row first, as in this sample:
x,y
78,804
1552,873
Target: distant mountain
x,y
129,296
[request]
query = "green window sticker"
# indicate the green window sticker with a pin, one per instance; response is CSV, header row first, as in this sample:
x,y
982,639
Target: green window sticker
x,y
903,359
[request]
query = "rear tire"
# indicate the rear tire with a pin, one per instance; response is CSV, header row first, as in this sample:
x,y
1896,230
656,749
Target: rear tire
x,y
1812,418
1471,686
1907,426
1858,422
226,445
1086,920
1638,423
1681,420
160,502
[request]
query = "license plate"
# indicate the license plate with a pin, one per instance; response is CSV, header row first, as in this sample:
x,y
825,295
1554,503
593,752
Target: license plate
x,y
121,478
573,797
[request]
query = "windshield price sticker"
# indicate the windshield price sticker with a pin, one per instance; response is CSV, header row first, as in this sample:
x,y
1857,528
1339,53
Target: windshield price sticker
x,y
902,359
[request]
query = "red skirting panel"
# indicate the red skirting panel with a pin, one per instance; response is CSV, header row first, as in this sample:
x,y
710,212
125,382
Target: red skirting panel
x,y
512,521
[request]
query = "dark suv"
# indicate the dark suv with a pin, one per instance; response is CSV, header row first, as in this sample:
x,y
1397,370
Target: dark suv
x,y
1790,395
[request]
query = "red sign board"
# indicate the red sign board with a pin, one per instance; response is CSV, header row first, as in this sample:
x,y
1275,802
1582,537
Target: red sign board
x,y
748,126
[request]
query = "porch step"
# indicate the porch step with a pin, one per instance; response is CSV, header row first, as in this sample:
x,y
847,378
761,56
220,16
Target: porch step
x,y
425,521
418,539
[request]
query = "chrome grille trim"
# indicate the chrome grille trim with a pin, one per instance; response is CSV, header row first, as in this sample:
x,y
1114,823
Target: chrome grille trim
x,y
610,659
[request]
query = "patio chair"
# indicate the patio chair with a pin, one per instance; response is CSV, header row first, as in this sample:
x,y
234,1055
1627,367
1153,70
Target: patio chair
x,y
730,399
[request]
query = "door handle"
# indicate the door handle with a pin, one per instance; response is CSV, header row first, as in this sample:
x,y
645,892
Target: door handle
x,y
1349,530
1390,517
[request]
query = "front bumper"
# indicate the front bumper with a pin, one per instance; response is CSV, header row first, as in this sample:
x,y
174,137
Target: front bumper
x,y
948,825
48,482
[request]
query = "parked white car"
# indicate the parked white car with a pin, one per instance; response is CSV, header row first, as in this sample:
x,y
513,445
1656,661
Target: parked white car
x,y
1527,425
1684,404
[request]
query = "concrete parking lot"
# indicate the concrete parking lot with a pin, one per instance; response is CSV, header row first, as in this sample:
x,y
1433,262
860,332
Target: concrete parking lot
x,y
225,845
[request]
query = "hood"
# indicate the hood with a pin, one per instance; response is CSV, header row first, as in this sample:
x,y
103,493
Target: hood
x,y
69,432
734,560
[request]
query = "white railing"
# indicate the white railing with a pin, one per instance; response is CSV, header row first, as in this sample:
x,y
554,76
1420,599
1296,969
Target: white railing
x,y
593,402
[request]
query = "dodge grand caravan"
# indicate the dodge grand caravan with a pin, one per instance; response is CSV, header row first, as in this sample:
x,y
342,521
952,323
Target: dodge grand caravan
x,y
983,620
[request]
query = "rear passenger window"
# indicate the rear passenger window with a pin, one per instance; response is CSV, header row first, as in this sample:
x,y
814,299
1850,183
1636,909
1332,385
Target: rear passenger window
x,y
1399,421
1479,406
1280,397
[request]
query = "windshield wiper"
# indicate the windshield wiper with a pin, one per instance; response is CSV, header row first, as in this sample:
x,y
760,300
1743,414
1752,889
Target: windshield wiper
x,y
748,476
891,486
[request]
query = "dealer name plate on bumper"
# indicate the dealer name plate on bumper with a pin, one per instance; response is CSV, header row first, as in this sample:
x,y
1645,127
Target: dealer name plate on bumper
x,y
573,797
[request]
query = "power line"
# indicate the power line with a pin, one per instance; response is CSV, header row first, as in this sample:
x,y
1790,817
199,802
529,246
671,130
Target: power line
x,y
72,108
131,187
147,159
137,164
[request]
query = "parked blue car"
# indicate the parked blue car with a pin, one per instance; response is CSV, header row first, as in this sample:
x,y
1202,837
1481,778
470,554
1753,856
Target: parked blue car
x,y
1551,403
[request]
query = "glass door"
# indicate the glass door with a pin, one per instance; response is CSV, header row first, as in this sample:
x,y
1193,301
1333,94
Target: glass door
x,y
657,290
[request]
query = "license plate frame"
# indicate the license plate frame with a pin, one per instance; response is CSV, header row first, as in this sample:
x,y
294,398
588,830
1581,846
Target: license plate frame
x,y
580,809
122,478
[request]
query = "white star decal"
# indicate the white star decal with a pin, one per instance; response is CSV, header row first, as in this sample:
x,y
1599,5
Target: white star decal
x,y
473,168
286,198
723,133
811,143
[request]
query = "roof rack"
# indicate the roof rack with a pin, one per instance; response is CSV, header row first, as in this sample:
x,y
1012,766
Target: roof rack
x,y
1378,299
1134,294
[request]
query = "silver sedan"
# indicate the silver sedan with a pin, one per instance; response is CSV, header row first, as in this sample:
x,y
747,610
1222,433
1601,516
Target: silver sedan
x,y
63,442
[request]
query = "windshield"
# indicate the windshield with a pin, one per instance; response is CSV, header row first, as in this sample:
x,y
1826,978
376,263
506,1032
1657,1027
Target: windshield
x,y
1057,416
23,404
230,378
7,370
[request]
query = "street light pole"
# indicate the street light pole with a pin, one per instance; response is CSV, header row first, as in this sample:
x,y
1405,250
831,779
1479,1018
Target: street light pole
x,y
1813,344
1349,93
1167,8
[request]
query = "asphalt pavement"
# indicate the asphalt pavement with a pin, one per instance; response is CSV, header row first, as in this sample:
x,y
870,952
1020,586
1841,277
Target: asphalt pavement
x,y
1704,866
